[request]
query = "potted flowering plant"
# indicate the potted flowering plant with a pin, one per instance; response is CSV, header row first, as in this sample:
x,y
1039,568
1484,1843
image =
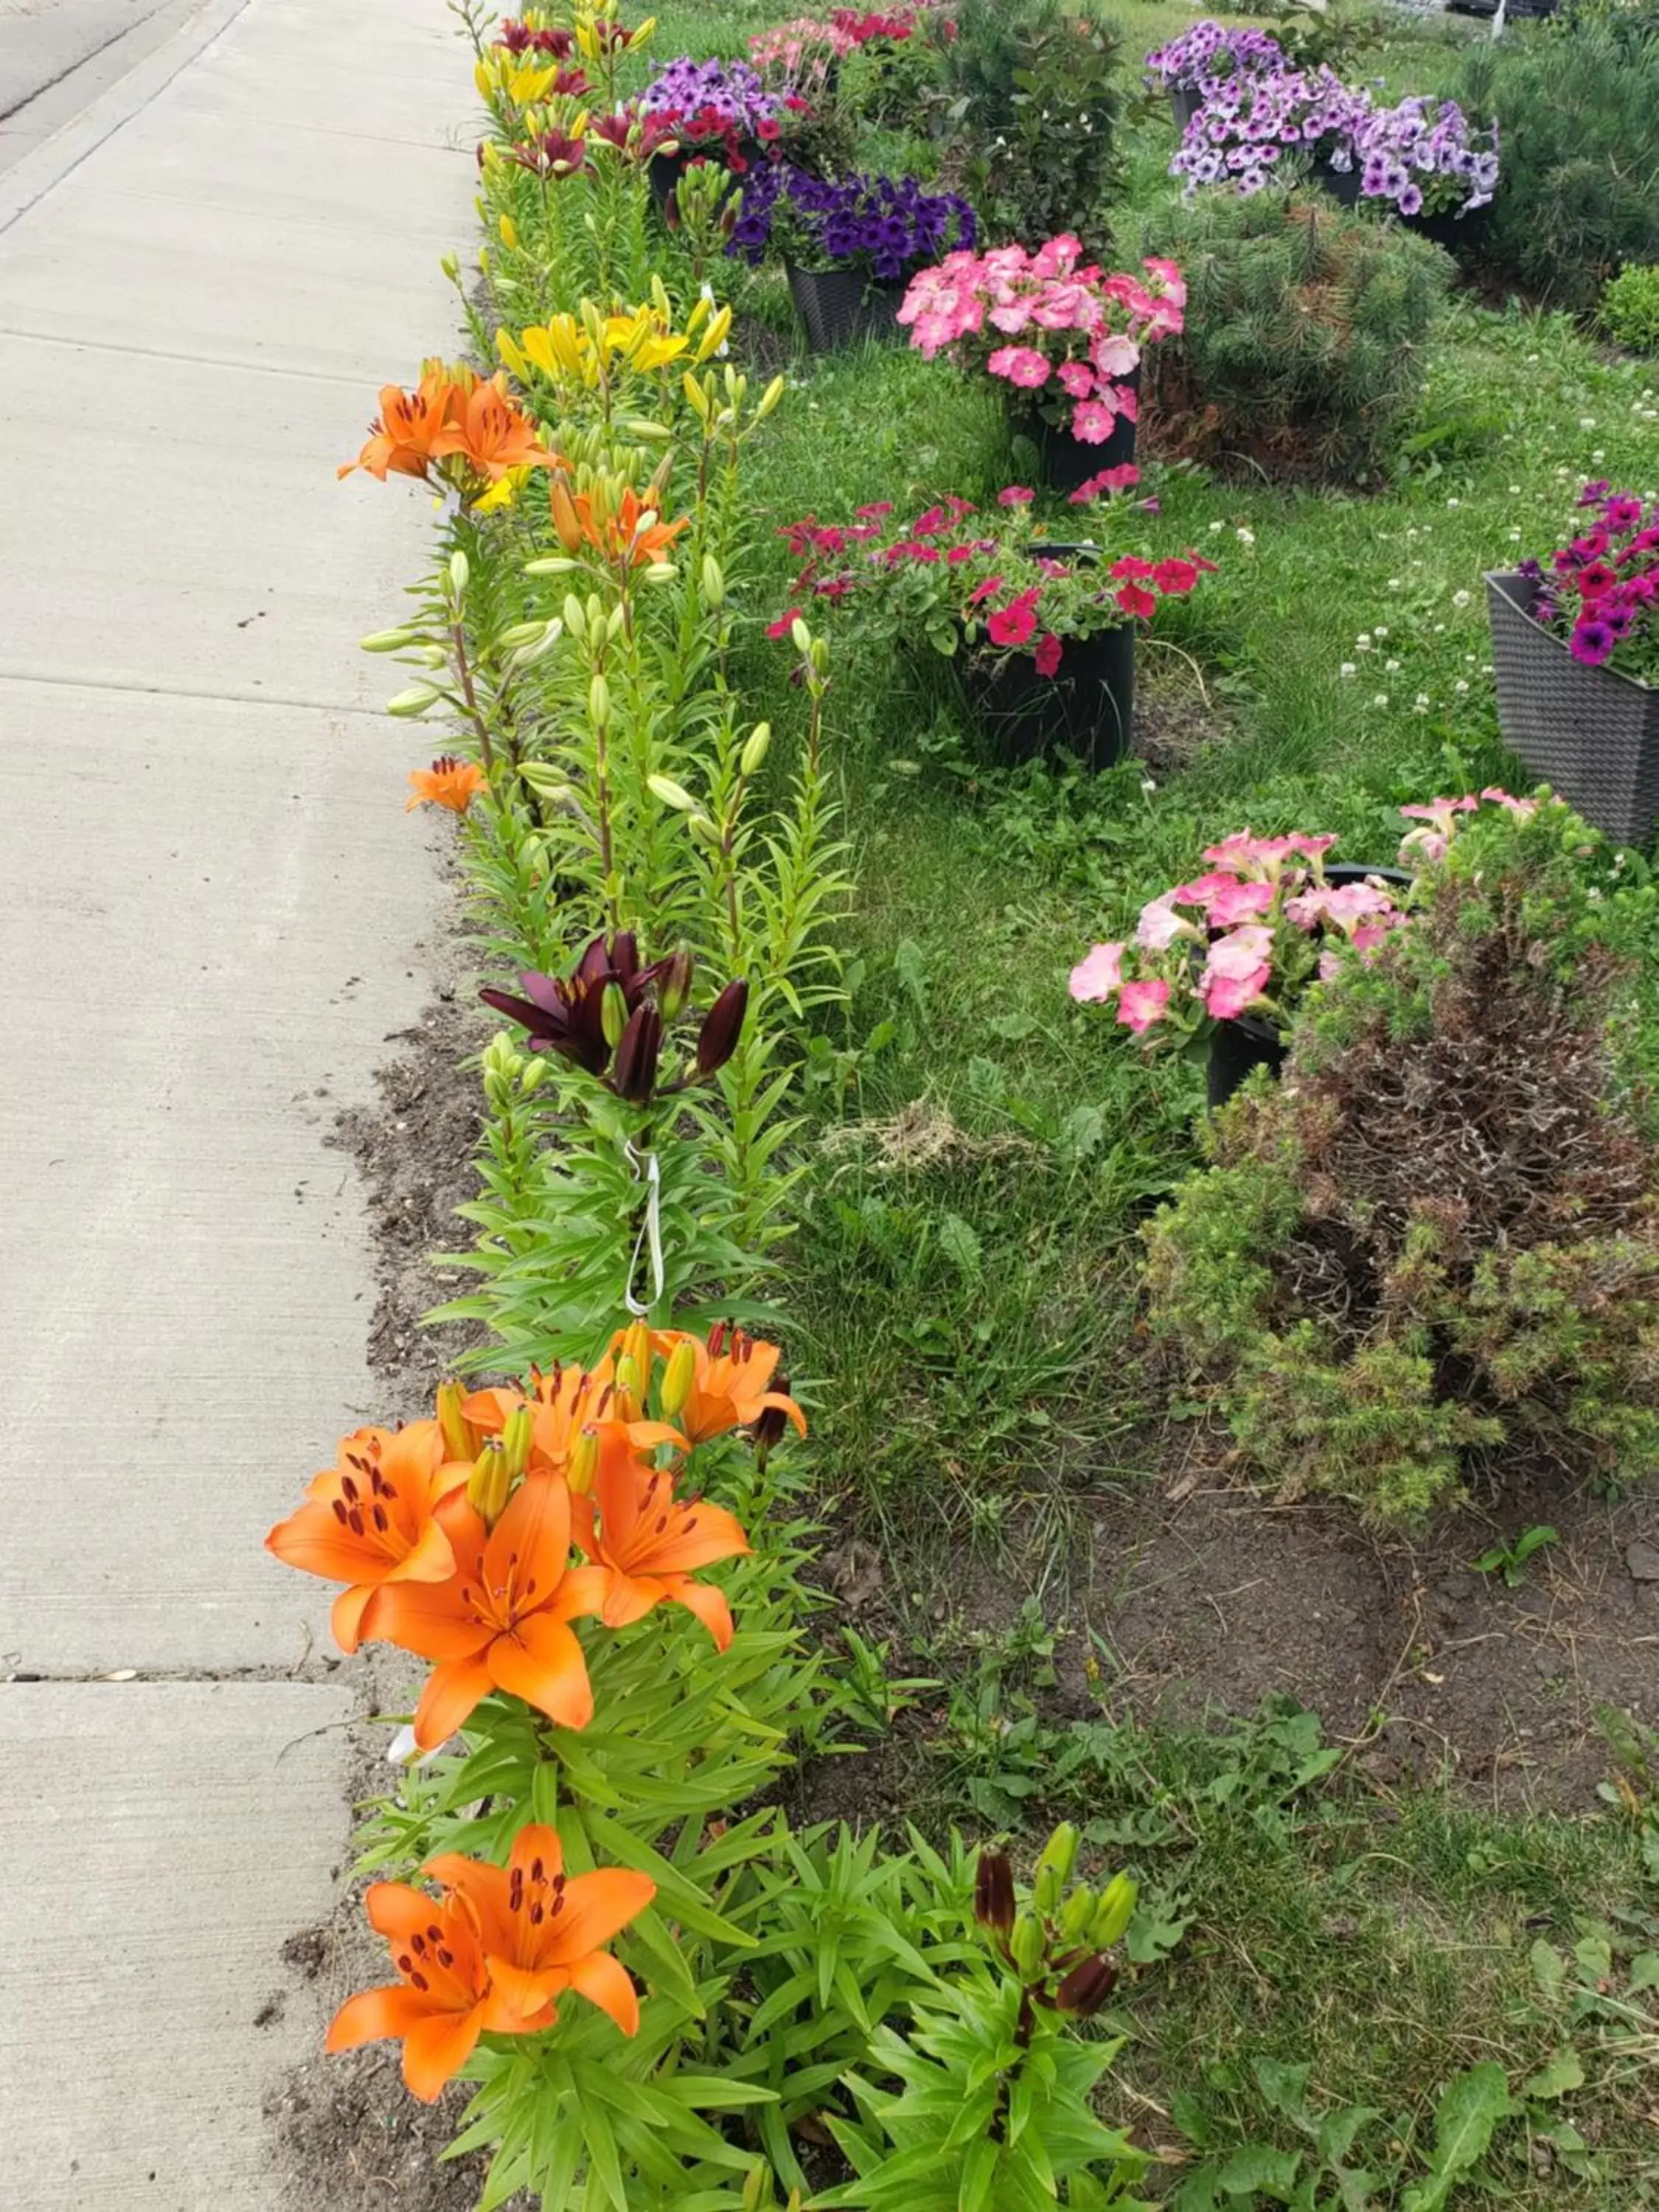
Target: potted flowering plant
x,y
1220,964
1251,122
1576,660
1063,336
1041,628
717,110
1196,65
847,248
1421,162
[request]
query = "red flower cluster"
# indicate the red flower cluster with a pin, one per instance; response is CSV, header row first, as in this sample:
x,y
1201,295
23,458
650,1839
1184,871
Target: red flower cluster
x,y
861,26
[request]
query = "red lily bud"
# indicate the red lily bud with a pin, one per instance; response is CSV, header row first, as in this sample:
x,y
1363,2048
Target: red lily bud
x,y
1087,1987
771,1422
722,1026
675,988
994,1892
634,1074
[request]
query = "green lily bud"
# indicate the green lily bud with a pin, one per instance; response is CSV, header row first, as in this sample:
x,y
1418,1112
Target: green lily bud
x,y
460,573
1059,1852
704,831
672,793
598,702
820,655
1026,1946
799,636
488,1485
994,1893
552,564
415,701
613,1014
534,1073
769,398
452,268
660,572
432,656
675,988
678,1377
387,641
575,616
1115,1910
516,1436
524,633
460,1441
714,583
1077,1916
754,752
645,432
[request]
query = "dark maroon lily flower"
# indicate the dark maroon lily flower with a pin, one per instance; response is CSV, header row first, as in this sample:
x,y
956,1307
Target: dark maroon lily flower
x,y
994,1892
1087,1987
722,1026
566,1014
634,1077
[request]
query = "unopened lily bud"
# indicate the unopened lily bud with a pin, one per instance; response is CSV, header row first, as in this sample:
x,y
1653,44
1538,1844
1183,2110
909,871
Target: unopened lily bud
x,y
644,432
387,641
551,564
769,398
628,1384
1077,1914
488,1485
754,752
534,1075
517,1433
994,1892
819,656
1087,1987
714,583
509,233
677,1378
1026,1945
704,831
460,1438
771,1421
613,1014
452,268
415,701
545,781
1058,1854
460,573
672,793
575,615
524,633
633,1072
598,702
660,572
799,636
432,656
614,620
722,1026
675,988
584,1462
1115,1910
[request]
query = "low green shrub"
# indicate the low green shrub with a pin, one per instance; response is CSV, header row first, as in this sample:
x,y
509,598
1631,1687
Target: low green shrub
x,y
1302,353
1432,1251
1630,309
1577,107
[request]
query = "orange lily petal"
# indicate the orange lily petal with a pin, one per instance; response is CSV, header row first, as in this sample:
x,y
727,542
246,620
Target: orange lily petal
x,y
428,1618
346,1620
500,2017
520,1992
529,1547
313,1539
597,1906
695,1537
777,1401
436,2048
542,1662
453,1690
628,1598
603,1981
375,2015
396,1910
707,1602
582,1593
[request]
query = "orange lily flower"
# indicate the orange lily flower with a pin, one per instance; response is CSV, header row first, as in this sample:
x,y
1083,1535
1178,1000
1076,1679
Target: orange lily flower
x,y
371,1520
644,1542
568,1400
490,434
448,782
443,2000
614,533
730,1390
403,437
501,1622
542,1930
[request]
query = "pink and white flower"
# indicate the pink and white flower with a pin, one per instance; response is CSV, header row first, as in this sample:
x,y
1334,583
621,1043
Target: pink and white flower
x,y
1140,1004
1098,976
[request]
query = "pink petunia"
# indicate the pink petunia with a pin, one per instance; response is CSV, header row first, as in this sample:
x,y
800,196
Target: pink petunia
x,y
1098,976
1140,1004
1015,495
1160,924
987,590
1235,902
1522,809
1048,654
1015,624
1022,366
1241,952
1440,814
1114,354
1226,997
1092,421
1175,578
1078,377
1137,602
1121,478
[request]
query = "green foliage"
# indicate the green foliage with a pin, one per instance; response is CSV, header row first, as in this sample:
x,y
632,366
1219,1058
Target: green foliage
x,y
1578,107
1440,1235
1302,351
1510,1559
1032,97
1630,308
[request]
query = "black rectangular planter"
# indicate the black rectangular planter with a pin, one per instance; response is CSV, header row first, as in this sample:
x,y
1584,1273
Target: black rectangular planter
x,y
1185,100
1591,734
842,307
1086,707
1068,462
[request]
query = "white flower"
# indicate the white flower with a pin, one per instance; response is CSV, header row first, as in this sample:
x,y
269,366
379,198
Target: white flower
x,y
1515,538
1454,502
1586,421
1391,667
1460,685
1347,669
1515,491
1244,536
1459,598
1439,629
1214,526
1422,703
1363,640
1532,356
1598,455
1394,583
1380,630
1381,700
1148,785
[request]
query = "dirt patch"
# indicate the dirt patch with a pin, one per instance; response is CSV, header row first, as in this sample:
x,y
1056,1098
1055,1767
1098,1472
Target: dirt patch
x,y
1199,1598
414,1150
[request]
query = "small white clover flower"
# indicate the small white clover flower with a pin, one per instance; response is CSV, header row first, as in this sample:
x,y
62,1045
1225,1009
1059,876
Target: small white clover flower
x,y
1363,640
1598,455
1381,700
1439,630
1214,526
1244,536
1586,421
1459,598
1515,491
1422,703
1515,538
1391,667
1394,583
1347,669
1380,630
1461,684
1454,502
1532,357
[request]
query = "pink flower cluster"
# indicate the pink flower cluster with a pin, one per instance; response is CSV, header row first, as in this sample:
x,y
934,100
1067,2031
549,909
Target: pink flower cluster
x,y
805,41
1265,920
1072,333
1258,917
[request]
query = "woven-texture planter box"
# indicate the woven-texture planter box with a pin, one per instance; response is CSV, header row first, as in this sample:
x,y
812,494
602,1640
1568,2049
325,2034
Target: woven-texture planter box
x,y
1592,735
842,307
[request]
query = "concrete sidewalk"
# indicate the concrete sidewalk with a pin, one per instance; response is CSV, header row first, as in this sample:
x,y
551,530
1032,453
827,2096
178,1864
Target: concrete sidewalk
x,y
214,906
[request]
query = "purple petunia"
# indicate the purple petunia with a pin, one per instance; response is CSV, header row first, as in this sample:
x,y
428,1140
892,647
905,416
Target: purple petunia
x,y
889,226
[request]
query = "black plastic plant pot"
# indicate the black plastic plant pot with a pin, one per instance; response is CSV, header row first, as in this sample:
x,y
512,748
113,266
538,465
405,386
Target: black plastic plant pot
x,y
667,169
1238,1047
1185,100
1448,229
1342,184
1592,734
1066,462
842,307
1086,707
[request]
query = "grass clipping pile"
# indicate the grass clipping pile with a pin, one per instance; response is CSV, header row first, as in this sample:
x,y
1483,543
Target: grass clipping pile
x,y
1429,1259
